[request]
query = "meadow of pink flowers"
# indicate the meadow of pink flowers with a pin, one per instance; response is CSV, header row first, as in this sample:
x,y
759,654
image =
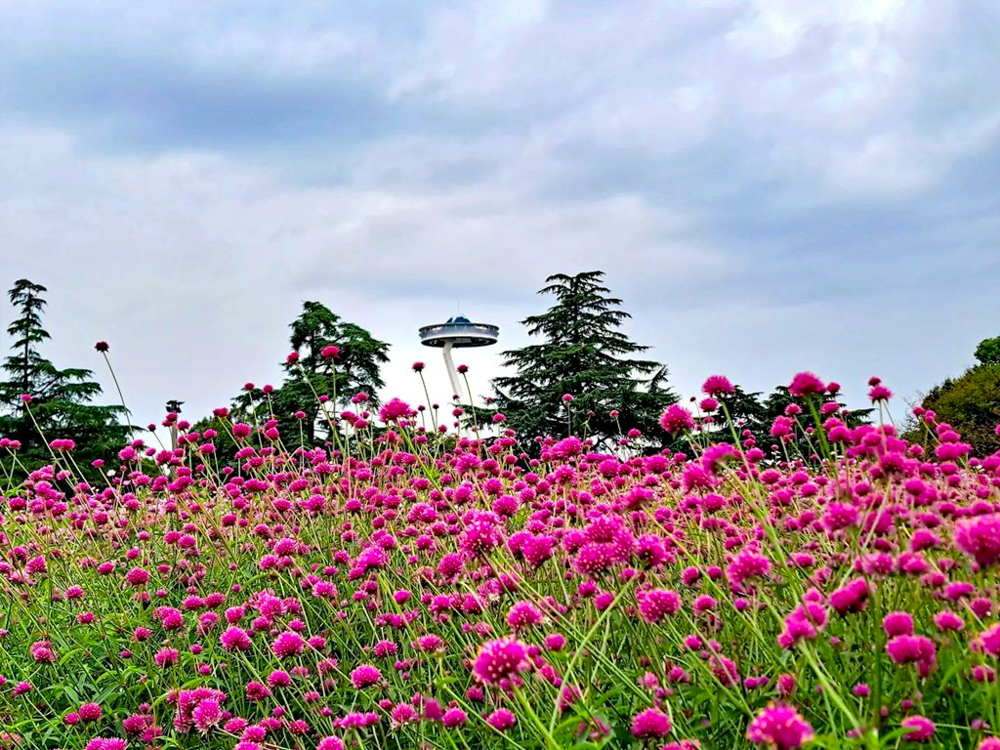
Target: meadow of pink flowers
x,y
400,590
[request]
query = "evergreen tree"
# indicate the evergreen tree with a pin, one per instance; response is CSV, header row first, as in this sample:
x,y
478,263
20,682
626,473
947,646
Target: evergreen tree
x,y
60,399
988,351
754,413
356,367
583,353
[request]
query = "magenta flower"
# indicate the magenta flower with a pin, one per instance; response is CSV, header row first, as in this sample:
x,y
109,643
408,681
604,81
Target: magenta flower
x,y
918,728
501,719
655,604
394,410
717,385
365,676
779,727
89,712
979,538
454,717
235,639
676,419
499,659
650,724
288,644
805,384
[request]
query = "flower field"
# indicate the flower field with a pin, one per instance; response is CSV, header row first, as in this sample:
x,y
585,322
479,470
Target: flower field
x,y
403,590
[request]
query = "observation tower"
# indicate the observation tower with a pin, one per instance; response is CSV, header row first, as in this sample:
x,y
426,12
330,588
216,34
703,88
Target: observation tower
x,y
457,333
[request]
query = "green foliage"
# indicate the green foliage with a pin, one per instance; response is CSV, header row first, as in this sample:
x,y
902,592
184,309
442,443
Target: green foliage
x,y
582,352
356,368
60,398
988,351
755,413
970,404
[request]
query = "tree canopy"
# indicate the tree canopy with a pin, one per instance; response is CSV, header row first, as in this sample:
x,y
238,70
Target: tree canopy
x,y
582,354
332,359
60,405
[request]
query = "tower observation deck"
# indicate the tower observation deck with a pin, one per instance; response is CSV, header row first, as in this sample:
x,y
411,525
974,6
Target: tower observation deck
x,y
457,333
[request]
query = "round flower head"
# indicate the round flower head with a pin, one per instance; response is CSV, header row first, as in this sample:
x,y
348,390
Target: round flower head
x,y
288,644
779,727
499,659
717,385
804,384
979,538
918,728
676,419
650,724
365,675
394,410
89,712
454,717
657,603
501,719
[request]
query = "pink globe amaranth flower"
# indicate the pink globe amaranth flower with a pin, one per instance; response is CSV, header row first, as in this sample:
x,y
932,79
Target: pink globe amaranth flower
x,y
501,719
655,604
989,640
365,676
650,724
102,346
137,577
454,717
747,565
979,538
717,385
89,712
989,743
330,743
329,352
394,410
898,623
42,652
235,638
676,419
499,659
523,615
913,649
805,384
918,728
948,621
106,743
22,688
879,393
779,727
404,714
206,714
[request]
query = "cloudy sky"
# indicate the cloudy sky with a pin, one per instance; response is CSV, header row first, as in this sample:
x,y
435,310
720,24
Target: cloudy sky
x,y
771,185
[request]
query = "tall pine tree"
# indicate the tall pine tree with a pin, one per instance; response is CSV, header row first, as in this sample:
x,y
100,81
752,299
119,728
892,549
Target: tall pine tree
x,y
582,352
60,399
356,367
